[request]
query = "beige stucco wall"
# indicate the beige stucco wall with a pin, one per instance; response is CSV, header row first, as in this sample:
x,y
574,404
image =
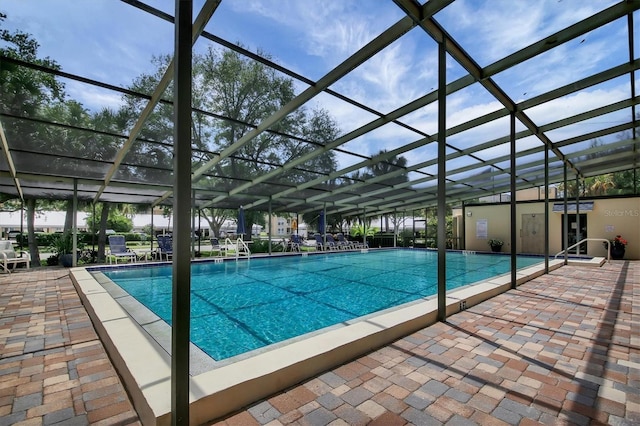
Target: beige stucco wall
x,y
609,217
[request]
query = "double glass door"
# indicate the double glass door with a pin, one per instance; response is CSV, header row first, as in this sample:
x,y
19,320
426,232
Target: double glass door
x,y
577,232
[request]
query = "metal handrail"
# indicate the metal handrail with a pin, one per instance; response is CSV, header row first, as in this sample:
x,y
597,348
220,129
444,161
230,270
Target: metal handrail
x,y
242,248
227,243
585,240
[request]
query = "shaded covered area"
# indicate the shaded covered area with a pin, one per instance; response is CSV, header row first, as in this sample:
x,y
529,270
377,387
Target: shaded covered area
x,y
475,113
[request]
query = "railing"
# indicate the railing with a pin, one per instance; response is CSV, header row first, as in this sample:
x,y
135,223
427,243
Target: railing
x,y
228,244
588,239
242,249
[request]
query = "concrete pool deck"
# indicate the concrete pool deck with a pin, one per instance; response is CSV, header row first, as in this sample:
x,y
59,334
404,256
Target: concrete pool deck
x,y
563,346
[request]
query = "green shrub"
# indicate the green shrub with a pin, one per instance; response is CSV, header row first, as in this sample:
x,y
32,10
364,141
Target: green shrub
x,y
262,246
405,238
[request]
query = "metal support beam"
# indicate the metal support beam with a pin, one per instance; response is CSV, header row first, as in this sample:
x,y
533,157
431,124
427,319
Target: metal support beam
x,y
632,79
326,226
153,229
578,237
364,226
4,147
22,223
442,174
395,228
192,234
270,221
514,205
413,229
565,218
74,225
546,209
181,314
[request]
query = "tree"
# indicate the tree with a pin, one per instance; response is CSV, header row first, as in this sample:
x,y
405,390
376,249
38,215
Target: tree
x,y
118,218
616,183
626,182
25,92
242,93
246,93
31,234
601,185
216,218
382,168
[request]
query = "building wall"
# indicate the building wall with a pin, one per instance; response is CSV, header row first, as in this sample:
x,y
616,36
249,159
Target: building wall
x,y
282,227
609,217
536,193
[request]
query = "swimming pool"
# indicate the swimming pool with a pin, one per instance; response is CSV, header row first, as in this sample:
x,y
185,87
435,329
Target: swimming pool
x,y
242,306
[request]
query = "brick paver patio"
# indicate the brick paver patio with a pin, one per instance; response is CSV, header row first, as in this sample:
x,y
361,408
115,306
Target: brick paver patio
x,y
561,349
53,367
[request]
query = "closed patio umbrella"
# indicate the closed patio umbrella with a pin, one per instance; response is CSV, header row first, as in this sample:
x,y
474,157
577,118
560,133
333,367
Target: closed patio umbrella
x,y
240,230
321,224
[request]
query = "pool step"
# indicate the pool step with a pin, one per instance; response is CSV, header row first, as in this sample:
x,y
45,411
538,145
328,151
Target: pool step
x,y
594,262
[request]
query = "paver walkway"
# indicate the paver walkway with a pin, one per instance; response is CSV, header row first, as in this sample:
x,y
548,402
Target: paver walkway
x,y
53,367
561,349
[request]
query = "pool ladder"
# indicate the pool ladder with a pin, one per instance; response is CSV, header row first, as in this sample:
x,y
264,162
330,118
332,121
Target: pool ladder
x,y
242,249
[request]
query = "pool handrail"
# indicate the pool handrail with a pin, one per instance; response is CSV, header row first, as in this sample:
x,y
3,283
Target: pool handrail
x,y
242,249
604,240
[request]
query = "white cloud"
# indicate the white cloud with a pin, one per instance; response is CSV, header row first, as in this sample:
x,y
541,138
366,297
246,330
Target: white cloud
x,y
104,40
94,98
491,30
327,29
576,103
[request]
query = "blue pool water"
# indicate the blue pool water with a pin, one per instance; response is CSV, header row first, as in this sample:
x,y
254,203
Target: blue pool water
x,y
237,307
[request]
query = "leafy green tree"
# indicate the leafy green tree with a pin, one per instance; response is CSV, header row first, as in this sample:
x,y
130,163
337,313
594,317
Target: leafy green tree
x,y
431,225
117,219
25,93
601,185
245,93
616,183
627,182
393,164
242,93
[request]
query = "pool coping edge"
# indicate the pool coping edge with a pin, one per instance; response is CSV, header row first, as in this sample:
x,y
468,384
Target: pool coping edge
x,y
145,367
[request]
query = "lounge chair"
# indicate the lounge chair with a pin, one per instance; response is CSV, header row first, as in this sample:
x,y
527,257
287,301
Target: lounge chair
x,y
295,242
332,244
165,246
118,249
216,247
319,242
9,257
346,244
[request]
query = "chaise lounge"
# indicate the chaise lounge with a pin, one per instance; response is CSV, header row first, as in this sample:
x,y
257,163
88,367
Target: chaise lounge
x,y
165,247
8,256
118,249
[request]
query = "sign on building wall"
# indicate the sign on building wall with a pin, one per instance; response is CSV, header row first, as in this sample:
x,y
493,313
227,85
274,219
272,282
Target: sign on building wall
x,y
481,228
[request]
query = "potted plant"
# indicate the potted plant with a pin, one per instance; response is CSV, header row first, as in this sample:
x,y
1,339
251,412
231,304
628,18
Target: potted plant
x,y
618,245
495,244
62,248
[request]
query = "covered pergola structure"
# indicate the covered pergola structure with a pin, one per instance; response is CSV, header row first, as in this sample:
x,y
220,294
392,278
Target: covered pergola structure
x,y
475,167
450,159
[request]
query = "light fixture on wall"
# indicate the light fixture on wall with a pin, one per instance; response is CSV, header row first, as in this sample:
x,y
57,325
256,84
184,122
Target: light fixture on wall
x,y
469,214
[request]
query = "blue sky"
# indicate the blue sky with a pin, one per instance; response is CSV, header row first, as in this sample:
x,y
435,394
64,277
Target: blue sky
x,y
111,41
